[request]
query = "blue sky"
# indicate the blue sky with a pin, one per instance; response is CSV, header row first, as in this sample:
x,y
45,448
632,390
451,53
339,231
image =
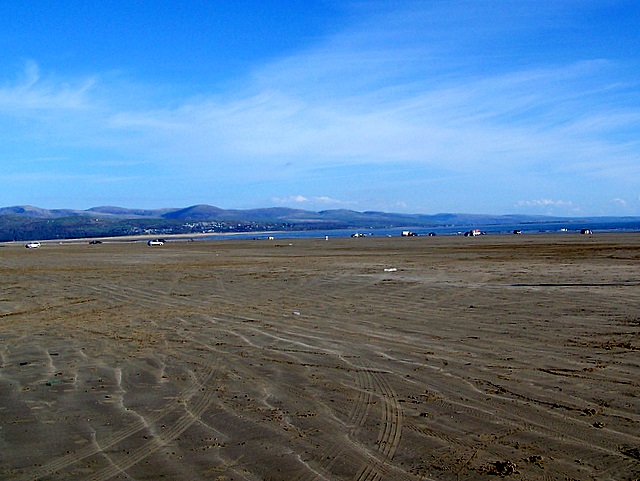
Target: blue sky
x,y
492,106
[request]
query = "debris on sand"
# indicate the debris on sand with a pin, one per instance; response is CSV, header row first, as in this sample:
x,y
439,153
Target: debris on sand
x,y
534,459
501,468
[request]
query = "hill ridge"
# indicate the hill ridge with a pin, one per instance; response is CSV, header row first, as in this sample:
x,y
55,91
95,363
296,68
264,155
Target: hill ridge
x,y
26,222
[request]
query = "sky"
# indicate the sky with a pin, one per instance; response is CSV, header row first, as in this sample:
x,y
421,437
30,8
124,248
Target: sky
x,y
410,106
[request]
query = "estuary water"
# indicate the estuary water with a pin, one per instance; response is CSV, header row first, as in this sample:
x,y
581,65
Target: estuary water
x,y
555,227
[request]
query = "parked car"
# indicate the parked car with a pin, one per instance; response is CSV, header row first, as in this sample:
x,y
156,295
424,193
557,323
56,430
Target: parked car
x,y
156,242
32,245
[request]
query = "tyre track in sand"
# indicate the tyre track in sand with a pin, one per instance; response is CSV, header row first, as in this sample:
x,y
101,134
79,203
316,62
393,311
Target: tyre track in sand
x,y
370,385
144,297
357,419
531,418
390,432
143,423
158,441
319,466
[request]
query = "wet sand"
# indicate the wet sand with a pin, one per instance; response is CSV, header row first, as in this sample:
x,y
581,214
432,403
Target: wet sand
x,y
445,358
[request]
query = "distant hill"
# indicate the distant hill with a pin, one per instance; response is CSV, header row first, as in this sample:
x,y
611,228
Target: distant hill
x,y
31,211
273,214
201,211
127,213
29,222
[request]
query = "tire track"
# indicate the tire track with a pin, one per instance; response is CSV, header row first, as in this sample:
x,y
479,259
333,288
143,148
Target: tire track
x,y
129,294
332,453
116,438
535,418
370,385
159,441
390,432
540,419
357,418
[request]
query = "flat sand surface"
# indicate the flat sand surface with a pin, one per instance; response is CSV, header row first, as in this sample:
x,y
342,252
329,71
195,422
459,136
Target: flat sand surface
x,y
445,358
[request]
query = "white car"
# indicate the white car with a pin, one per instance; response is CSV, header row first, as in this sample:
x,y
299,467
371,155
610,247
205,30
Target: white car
x,y
32,245
156,242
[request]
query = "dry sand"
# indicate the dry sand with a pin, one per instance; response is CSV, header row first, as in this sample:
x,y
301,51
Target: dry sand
x,y
312,360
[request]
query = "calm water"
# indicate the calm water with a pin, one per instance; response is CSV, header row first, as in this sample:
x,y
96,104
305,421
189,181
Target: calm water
x,y
558,227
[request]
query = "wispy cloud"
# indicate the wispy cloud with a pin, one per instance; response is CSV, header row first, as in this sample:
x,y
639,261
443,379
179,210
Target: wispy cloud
x,y
508,121
31,94
470,125
549,207
429,89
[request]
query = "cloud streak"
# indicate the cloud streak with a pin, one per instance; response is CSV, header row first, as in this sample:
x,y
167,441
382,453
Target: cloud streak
x,y
32,96
396,95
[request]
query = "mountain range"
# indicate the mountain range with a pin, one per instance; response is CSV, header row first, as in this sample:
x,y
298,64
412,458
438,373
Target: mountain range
x,y
270,214
29,222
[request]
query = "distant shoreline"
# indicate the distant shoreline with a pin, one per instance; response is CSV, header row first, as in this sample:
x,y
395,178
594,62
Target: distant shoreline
x,y
314,235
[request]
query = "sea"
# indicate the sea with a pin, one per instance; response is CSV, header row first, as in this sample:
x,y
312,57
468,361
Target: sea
x,y
555,227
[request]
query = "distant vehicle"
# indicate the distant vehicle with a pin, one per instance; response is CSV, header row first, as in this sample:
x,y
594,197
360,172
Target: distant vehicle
x,y
32,245
517,232
408,233
156,242
357,234
586,231
473,233
431,234
95,242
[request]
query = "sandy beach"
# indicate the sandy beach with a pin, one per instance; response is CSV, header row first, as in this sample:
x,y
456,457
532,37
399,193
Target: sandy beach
x,y
435,358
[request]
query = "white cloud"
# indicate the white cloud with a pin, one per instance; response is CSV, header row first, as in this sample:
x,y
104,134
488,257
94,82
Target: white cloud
x,y
544,203
301,199
292,199
328,200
